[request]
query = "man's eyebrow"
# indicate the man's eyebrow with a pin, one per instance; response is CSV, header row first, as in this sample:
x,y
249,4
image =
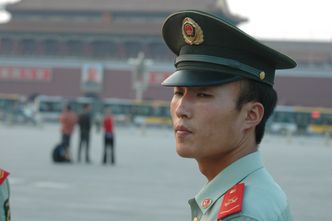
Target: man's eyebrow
x,y
205,88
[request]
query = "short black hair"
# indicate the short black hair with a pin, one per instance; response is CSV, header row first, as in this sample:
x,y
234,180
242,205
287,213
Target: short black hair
x,y
68,107
252,90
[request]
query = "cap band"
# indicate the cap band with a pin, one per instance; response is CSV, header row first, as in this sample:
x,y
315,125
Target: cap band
x,y
218,60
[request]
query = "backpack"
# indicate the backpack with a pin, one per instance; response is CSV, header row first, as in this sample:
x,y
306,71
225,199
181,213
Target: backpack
x,y
58,154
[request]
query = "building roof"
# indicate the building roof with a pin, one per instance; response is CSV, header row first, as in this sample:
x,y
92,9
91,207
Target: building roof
x,y
82,28
117,5
103,16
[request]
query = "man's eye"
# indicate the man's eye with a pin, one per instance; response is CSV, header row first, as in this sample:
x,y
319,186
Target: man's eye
x,y
178,93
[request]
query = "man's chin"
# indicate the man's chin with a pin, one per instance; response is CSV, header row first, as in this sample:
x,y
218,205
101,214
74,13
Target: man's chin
x,y
184,152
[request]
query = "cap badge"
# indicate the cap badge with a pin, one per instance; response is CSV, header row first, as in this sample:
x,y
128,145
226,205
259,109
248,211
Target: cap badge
x,y
262,75
192,32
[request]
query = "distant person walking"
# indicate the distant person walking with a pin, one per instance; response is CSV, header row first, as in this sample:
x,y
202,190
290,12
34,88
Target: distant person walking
x,y
84,121
68,120
108,125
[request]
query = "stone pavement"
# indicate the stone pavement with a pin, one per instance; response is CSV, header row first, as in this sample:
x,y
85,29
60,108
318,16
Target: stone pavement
x,y
149,182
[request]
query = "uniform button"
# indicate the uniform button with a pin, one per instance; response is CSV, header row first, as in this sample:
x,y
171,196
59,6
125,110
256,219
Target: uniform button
x,y
195,219
262,75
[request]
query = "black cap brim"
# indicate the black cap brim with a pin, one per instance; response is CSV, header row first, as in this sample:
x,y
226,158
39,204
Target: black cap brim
x,y
197,78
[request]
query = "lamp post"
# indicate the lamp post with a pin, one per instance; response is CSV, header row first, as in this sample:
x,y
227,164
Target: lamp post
x,y
139,74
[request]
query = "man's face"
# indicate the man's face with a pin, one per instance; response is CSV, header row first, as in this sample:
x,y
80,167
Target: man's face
x,y
206,121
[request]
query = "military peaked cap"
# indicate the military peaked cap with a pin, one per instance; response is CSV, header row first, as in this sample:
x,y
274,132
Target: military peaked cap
x,y
212,52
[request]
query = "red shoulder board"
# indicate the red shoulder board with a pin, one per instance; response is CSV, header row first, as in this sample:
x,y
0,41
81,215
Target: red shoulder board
x,y
3,175
232,202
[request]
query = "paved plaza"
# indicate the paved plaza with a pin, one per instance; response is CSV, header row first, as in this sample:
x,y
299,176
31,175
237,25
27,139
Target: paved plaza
x,y
149,182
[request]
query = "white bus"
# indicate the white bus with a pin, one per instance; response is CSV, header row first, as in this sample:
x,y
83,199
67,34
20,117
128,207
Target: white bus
x,y
49,108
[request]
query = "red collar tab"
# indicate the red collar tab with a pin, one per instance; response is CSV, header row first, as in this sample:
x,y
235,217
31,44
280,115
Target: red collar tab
x,y
232,202
3,175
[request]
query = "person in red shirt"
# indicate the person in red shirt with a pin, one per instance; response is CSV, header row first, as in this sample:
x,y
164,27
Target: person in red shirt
x,y
4,196
108,125
68,119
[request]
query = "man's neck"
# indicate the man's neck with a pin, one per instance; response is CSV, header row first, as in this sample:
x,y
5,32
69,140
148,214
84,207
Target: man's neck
x,y
211,167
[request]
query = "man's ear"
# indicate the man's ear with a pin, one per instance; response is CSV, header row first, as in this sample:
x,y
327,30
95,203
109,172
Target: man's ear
x,y
254,114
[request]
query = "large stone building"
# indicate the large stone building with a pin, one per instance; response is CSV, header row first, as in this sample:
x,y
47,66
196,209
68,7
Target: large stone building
x,y
58,47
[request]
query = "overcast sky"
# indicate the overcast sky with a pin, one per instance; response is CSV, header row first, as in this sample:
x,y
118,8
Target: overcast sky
x,y
286,19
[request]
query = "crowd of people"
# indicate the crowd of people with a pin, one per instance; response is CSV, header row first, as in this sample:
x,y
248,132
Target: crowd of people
x,y
68,120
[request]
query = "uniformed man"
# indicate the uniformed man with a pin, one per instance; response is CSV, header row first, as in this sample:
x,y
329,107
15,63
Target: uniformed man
x,y
223,95
4,196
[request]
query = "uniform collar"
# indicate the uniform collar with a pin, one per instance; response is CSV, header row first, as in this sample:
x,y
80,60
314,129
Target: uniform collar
x,y
227,178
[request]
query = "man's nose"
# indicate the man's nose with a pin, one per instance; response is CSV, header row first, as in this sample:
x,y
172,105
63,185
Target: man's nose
x,y
183,109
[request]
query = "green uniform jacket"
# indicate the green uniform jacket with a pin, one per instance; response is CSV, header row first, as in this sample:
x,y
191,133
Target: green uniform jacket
x,y
263,199
4,196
